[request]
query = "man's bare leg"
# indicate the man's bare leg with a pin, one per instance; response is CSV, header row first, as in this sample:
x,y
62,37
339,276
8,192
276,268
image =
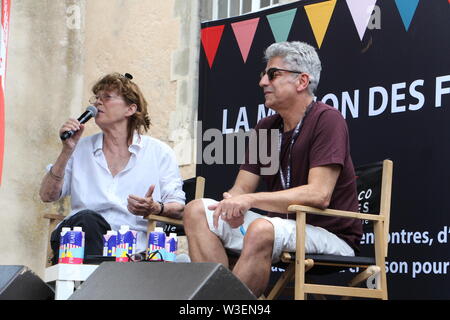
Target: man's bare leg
x,y
204,245
254,265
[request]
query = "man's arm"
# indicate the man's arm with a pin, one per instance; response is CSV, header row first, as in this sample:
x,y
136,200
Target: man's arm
x,y
317,193
246,182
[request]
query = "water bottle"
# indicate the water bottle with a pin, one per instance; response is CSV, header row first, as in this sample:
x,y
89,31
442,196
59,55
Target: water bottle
x,y
110,243
156,245
171,247
63,245
75,246
126,243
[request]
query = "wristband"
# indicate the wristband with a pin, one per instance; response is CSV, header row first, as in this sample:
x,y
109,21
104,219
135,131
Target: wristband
x,y
162,207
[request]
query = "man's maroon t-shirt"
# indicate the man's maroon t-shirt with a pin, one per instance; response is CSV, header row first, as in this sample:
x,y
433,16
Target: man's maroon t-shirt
x,y
323,140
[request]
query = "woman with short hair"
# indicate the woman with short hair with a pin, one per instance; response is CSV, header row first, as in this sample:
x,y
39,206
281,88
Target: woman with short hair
x,y
115,177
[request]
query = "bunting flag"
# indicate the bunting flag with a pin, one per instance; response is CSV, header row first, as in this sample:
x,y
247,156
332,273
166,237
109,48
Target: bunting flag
x,y
210,40
4,33
281,24
319,16
407,8
244,32
361,11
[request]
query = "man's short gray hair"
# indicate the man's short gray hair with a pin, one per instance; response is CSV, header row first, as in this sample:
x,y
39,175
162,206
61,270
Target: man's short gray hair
x,y
298,56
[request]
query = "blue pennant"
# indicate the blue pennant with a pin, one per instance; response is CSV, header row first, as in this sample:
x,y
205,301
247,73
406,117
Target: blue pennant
x,y
407,8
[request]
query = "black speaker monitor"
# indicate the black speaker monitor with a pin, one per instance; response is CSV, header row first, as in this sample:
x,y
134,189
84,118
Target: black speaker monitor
x,y
20,283
162,281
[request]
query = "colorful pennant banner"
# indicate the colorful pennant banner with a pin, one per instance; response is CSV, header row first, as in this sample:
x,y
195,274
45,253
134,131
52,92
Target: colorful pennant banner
x,y
319,16
407,8
361,11
281,24
244,32
210,40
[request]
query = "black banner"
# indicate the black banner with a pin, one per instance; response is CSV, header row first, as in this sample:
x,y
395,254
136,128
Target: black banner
x,y
387,69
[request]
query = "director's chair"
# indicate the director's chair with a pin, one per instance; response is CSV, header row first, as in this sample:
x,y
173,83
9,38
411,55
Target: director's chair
x,y
377,177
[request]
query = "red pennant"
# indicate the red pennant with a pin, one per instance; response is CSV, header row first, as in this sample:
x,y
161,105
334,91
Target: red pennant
x,y
4,30
210,39
2,128
245,32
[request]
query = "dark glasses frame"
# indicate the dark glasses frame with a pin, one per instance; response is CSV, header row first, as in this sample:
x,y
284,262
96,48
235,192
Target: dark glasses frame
x,y
271,72
138,257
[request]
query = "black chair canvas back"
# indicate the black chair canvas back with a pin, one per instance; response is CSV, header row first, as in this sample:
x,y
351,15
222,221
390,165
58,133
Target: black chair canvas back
x,y
368,184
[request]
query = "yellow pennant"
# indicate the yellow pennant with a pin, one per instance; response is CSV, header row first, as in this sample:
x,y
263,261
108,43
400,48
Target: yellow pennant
x,y
319,16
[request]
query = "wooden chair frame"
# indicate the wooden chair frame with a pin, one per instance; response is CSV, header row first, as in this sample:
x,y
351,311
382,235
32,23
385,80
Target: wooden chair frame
x,y
54,219
303,264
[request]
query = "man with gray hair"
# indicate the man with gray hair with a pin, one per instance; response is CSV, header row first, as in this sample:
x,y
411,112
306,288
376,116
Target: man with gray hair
x,y
315,170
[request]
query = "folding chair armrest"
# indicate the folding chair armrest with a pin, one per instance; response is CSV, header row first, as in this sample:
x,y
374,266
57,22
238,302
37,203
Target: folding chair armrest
x,y
177,222
335,213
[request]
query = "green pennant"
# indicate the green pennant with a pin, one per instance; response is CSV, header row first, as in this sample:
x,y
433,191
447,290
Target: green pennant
x,y
281,24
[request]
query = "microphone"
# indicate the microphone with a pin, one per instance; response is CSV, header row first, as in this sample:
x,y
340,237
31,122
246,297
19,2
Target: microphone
x,y
90,112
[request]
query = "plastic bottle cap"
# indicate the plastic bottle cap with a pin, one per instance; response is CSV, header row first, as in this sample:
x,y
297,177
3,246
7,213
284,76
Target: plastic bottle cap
x,y
172,235
65,229
77,229
124,228
114,233
159,229
109,232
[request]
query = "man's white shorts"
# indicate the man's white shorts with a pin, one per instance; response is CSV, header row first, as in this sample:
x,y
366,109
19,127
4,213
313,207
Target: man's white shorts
x,y
318,240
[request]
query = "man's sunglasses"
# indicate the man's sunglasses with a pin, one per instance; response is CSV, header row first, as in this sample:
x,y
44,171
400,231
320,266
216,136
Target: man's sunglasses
x,y
271,72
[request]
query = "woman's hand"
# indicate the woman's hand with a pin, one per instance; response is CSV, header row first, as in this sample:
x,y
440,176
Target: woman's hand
x,y
75,125
52,182
143,206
